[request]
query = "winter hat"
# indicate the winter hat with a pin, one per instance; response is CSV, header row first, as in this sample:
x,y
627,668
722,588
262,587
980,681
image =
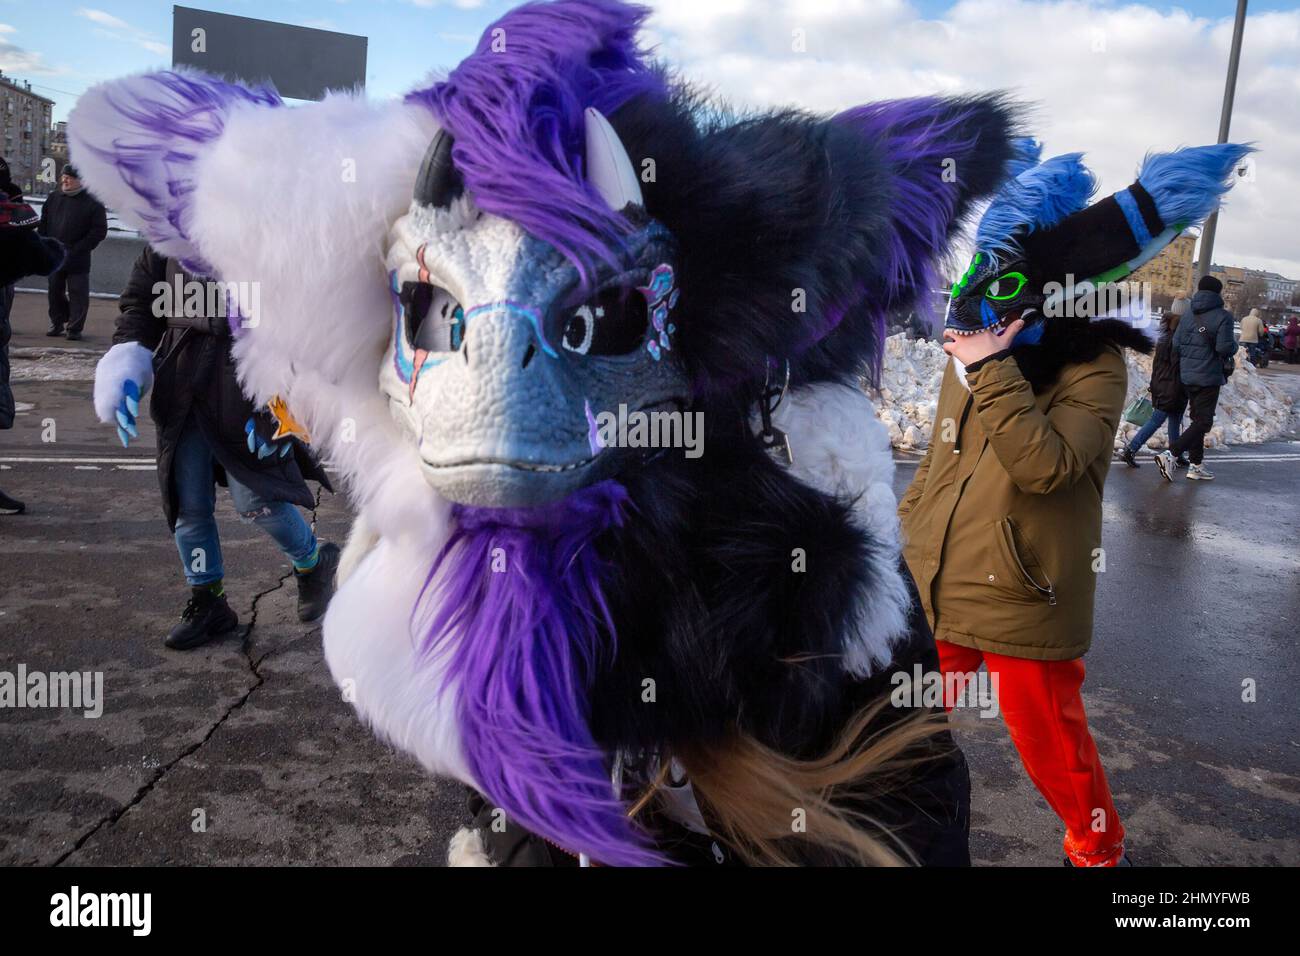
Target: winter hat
x,y
70,170
1180,306
1209,284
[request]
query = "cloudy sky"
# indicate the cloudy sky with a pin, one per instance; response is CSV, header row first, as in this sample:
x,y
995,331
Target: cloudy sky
x,y
1111,79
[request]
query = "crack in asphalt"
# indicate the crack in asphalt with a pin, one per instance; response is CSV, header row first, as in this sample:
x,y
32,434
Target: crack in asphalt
x,y
254,667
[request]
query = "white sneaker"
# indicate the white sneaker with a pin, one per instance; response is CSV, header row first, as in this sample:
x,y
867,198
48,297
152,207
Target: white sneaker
x,y
1199,473
1165,462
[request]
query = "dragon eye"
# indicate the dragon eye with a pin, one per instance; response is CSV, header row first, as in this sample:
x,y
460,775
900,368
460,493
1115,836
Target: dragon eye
x,y
613,323
434,320
577,331
1006,286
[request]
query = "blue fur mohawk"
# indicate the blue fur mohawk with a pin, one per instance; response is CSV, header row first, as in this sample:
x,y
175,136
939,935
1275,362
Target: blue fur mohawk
x,y
1188,183
1038,197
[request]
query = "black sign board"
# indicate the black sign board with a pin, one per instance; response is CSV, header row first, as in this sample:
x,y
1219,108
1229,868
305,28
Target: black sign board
x,y
301,62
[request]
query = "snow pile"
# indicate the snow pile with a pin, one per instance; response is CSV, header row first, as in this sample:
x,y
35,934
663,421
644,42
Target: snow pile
x,y
909,389
1251,408
51,364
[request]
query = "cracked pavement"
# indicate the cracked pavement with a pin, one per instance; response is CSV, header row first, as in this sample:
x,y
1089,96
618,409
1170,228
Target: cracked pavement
x,y
249,731
1202,591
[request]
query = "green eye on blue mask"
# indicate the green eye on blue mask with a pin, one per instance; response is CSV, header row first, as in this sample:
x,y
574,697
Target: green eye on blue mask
x,y
1005,287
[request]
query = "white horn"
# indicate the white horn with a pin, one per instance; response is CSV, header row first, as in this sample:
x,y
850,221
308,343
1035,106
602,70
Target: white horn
x,y
609,169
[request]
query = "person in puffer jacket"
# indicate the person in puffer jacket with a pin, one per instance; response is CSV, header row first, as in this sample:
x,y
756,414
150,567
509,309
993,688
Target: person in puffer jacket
x,y
1201,345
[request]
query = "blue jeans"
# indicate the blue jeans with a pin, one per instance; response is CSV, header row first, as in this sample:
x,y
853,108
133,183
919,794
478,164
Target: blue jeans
x,y
196,524
1157,419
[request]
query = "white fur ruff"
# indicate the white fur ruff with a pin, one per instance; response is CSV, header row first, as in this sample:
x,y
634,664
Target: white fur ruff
x,y
124,361
373,653
842,449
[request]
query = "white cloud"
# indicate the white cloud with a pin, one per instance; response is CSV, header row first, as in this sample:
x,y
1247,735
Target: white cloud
x,y
103,19
117,29
1113,81
15,59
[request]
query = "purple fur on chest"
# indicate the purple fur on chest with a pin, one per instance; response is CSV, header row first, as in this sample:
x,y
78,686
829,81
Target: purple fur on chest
x,y
516,604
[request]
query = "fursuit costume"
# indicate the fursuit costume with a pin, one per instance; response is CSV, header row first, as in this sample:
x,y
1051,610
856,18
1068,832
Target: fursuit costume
x,y
1003,520
640,655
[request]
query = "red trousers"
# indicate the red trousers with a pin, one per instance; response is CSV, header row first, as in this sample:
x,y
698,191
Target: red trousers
x,y
1043,710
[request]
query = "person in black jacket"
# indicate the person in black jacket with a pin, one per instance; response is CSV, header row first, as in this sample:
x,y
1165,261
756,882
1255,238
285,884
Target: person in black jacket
x,y
1167,394
1202,344
78,220
23,252
208,432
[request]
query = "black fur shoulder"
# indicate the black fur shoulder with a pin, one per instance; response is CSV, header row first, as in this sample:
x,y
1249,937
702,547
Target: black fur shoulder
x,y
1073,341
733,590
799,232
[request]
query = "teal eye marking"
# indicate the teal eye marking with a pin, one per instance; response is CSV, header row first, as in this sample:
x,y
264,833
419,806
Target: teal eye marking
x,y
457,328
1006,286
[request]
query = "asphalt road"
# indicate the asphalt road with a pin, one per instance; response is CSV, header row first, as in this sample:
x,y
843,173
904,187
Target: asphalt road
x,y
1201,593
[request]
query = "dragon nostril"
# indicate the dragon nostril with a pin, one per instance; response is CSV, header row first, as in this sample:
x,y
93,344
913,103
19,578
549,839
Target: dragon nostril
x,y
528,356
464,350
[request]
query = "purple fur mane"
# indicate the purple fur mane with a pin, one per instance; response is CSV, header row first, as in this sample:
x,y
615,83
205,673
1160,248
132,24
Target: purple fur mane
x,y
920,134
917,135
518,610
517,117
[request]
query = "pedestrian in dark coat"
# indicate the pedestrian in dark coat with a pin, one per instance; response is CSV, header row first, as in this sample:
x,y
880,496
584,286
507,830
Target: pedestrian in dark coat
x,y
78,220
208,432
1168,397
1201,345
1291,341
22,253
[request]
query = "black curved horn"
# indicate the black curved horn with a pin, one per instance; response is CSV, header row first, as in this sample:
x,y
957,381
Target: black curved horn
x,y
439,182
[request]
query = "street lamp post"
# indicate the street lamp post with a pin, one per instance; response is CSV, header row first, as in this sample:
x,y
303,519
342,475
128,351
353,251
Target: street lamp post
x,y
1225,120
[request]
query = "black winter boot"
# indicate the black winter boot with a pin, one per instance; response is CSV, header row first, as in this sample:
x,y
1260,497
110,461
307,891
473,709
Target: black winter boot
x,y
316,587
206,616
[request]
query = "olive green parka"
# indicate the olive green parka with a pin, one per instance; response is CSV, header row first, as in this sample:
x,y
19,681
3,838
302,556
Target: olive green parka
x,y
1002,523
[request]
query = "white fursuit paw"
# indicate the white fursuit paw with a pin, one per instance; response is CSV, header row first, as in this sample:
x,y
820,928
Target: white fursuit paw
x,y
126,360
466,849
